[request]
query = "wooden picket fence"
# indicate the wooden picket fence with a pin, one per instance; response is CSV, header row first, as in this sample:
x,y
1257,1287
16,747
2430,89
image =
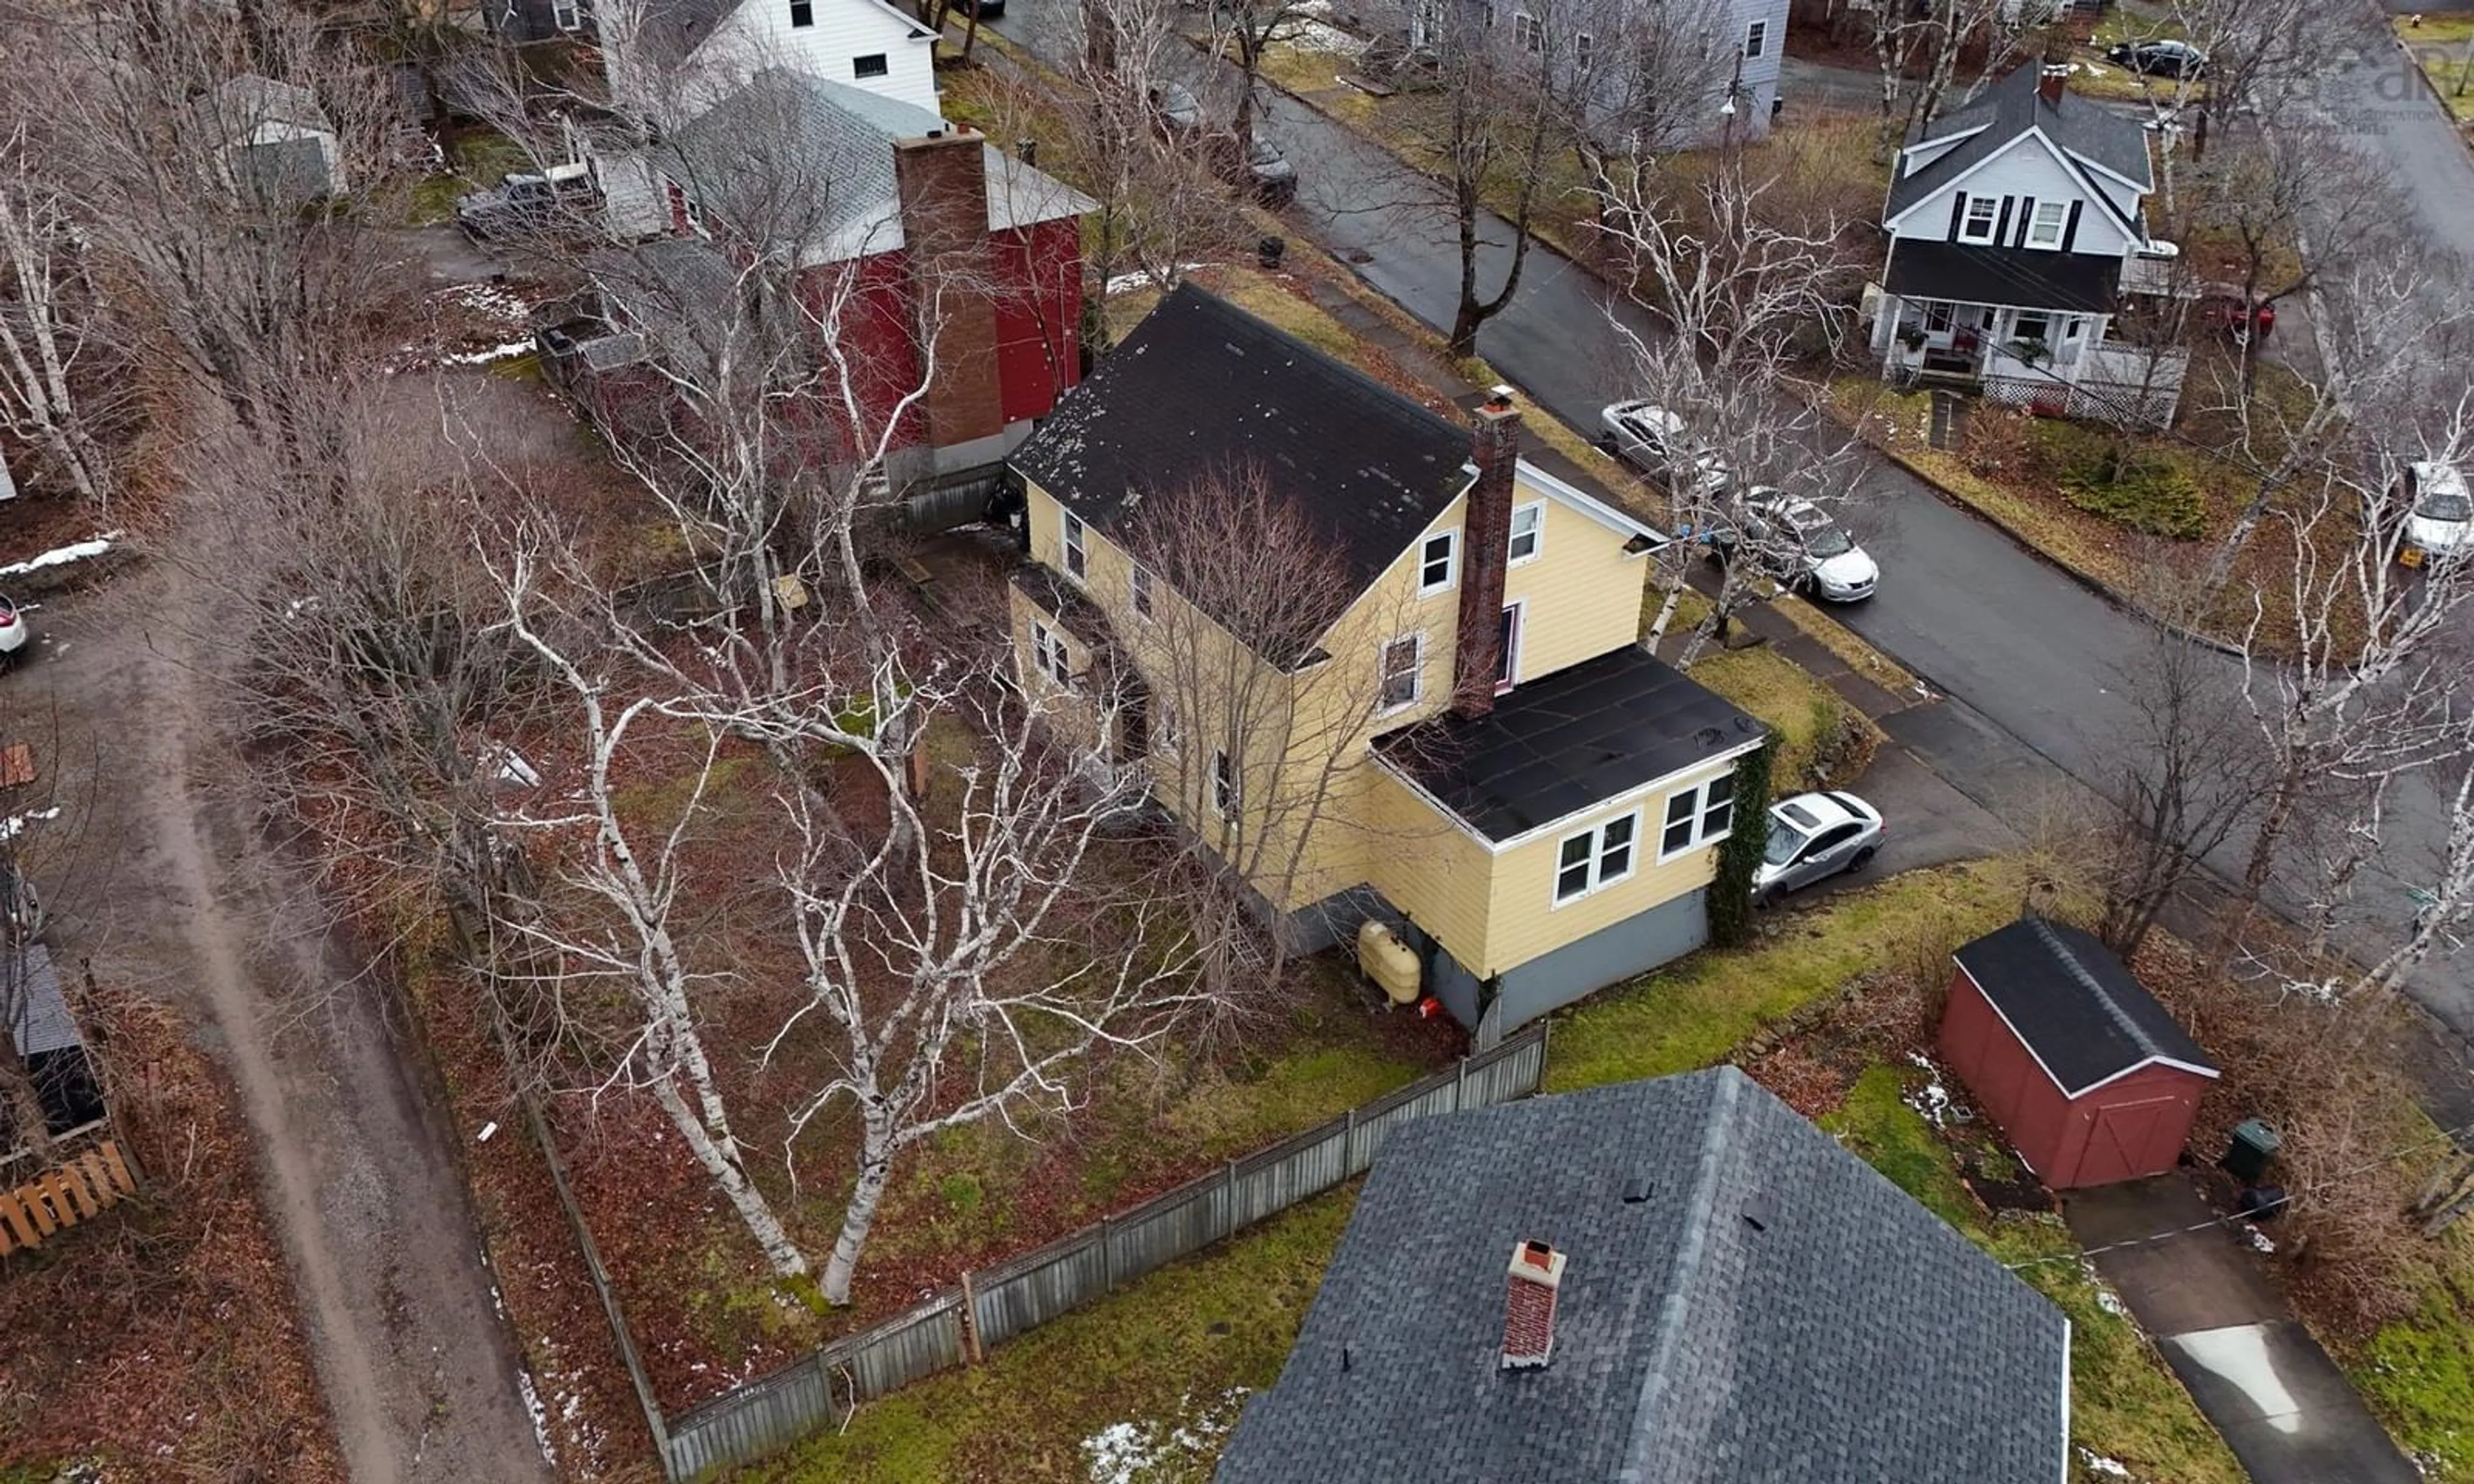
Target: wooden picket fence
x,y
79,1190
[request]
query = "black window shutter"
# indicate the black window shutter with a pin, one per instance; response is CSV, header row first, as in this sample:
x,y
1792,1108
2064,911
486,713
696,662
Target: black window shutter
x,y
2026,214
2071,225
2002,224
1957,212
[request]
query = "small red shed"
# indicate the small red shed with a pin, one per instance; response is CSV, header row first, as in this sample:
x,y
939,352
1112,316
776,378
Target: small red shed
x,y
2060,1045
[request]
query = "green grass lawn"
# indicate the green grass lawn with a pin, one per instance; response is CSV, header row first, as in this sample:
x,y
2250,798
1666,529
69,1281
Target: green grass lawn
x,y
2125,1406
1692,1012
2418,1373
2443,46
485,155
1156,1375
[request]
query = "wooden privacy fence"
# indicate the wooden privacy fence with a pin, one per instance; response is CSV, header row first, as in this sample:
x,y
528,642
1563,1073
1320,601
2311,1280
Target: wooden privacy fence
x,y
76,1190
994,1305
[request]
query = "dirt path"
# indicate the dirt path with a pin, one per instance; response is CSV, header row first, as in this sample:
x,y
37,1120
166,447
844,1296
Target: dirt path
x,y
359,1174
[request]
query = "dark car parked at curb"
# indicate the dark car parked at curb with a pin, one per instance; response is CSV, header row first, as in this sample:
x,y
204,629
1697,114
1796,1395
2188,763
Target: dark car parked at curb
x,y
2159,58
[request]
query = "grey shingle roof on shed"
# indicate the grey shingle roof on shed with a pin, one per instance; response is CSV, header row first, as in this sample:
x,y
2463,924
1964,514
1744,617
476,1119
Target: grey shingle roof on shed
x,y
1853,1339
2011,106
30,988
1202,390
2075,1005
1578,737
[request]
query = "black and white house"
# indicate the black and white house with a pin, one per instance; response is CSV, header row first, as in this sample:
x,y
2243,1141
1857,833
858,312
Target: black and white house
x,y
2019,256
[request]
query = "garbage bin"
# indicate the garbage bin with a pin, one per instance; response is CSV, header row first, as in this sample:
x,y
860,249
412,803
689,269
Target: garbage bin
x,y
2249,1153
1270,251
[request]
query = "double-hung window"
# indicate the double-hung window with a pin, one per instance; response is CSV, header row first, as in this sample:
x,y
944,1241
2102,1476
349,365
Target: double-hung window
x,y
1078,558
1049,654
1164,726
1757,39
1983,216
1528,530
1595,857
2045,227
1227,790
1527,32
1403,663
1139,585
567,15
1584,49
1438,562
1698,815
803,12
871,65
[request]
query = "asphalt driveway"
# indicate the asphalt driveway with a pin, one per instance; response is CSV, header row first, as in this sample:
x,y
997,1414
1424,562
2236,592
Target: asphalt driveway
x,y
2284,1408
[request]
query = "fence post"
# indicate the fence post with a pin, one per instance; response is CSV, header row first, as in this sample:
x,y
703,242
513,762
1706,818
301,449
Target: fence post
x,y
1108,1261
1459,1085
1227,1200
972,1355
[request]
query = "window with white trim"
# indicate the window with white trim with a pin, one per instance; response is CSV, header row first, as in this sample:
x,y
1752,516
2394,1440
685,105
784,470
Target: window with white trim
x,y
1596,857
1528,533
1139,585
1698,815
1585,50
1757,39
1438,562
567,15
803,12
1983,215
1077,560
1163,726
1530,35
1228,790
1049,654
1404,664
872,65
1486,12
2045,227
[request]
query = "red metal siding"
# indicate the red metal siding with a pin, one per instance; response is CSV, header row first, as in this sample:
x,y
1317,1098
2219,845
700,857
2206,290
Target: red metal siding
x,y
1038,272
874,322
2131,1127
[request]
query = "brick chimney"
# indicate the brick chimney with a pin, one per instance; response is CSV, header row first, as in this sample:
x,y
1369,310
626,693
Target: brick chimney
x,y
1529,1308
2051,84
942,186
1486,540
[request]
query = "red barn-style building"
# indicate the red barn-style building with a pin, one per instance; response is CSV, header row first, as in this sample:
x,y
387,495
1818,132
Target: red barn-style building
x,y
915,244
2089,1077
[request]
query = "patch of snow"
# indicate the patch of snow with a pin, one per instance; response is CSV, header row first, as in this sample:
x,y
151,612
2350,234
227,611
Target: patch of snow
x,y
2111,1303
1127,283
486,1129
14,822
76,551
1315,35
498,352
2240,1356
1933,1100
2259,1238
487,298
1129,1452
540,1415
2097,1463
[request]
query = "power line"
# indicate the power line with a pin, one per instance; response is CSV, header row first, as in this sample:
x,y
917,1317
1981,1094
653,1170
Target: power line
x,y
2448,1137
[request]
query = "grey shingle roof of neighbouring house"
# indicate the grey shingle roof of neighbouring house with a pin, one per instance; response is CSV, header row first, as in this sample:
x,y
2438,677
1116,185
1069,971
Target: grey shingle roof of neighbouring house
x,y
2011,106
1554,747
2025,276
790,154
1202,390
2076,1004
1851,1338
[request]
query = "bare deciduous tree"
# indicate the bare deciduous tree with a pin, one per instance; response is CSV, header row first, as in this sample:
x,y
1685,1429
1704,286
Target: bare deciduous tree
x,y
51,385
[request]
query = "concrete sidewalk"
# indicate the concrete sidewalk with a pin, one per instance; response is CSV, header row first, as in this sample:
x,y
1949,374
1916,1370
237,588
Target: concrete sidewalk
x,y
2282,1405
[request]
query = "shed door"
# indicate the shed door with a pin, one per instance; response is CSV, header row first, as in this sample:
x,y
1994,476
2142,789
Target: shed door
x,y
2134,1138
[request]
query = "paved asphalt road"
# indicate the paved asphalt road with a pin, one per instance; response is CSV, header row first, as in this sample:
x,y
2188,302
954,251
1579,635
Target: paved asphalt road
x,y
2029,659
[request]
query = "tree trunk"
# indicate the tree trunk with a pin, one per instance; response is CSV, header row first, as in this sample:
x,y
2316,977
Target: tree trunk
x,y
875,1173
723,1165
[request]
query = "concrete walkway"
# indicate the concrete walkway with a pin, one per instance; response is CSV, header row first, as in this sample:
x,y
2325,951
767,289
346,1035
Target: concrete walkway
x,y
2288,1413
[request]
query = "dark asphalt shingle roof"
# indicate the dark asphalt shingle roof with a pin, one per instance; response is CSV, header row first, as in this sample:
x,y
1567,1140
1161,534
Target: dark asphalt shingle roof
x,y
1202,390
2029,277
2076,1004
30,990
2078,126
1853,1339
1554,747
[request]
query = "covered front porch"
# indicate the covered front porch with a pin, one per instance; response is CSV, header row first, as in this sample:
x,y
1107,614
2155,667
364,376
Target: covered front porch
x,y
2057,362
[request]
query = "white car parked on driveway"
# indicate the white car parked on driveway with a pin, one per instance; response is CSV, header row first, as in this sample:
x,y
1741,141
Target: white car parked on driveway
x,y
1813,836
15,632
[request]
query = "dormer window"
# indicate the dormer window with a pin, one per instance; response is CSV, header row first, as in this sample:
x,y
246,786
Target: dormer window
x,y
1977,224
2045,228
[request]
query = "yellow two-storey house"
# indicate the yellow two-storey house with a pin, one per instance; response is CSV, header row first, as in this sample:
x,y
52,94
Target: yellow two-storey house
x,y
1384,666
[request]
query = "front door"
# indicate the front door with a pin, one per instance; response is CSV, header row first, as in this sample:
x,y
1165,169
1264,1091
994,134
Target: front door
x,y
1507,649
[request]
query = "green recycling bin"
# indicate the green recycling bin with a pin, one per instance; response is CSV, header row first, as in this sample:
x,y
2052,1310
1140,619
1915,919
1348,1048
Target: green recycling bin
x,y
2249,1151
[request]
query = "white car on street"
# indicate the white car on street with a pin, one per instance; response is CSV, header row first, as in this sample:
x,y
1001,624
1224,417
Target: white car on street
x,y
1814,836
1657,443
1797,544
15,632
2439,516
